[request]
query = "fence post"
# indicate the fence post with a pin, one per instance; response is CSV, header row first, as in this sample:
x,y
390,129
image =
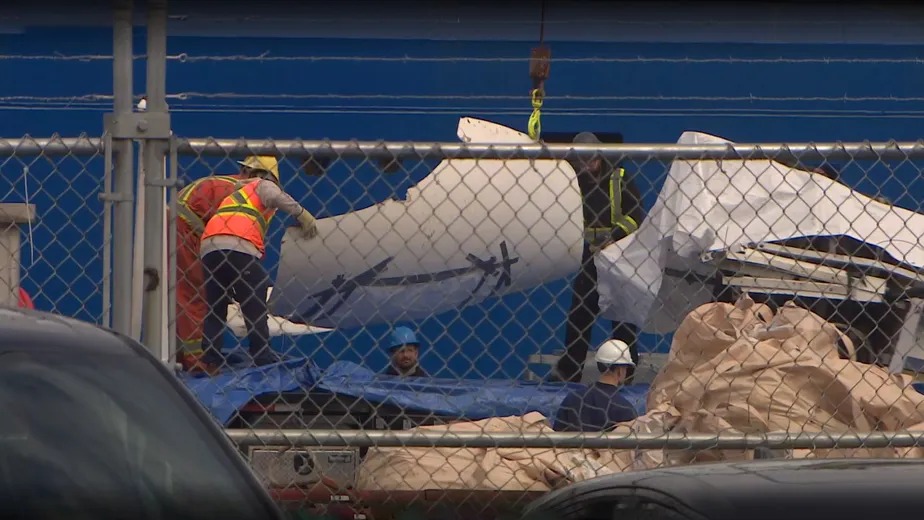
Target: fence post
x,y
155,149
123,196
173,181
12,215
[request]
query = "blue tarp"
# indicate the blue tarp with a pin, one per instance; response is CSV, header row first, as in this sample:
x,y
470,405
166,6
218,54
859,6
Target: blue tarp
x,y
226,393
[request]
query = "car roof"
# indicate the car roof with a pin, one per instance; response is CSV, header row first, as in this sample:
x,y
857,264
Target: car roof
x,y
23,329
720,490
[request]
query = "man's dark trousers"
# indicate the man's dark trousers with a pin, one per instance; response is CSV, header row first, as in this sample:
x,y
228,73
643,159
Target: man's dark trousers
x,y
585,307
241,276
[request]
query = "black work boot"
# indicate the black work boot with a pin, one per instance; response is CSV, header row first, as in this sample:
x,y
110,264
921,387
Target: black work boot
x,y
265,356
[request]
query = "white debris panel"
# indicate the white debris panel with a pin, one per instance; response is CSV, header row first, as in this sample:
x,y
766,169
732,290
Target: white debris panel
x,y
713,205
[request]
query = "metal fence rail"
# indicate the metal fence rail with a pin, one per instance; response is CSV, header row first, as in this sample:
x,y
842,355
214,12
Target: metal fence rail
x,y
610,441
448,150
88,146
52,146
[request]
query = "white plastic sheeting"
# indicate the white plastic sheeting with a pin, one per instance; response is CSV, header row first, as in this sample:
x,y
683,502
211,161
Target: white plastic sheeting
x,y
714,205
277,326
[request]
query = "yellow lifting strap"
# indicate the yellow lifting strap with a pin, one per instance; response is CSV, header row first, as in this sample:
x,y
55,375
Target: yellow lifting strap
x,y
534,126
539,65
617,217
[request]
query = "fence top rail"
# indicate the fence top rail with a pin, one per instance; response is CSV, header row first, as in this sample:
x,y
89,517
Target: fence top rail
x,y
774,440
441,150
24,146
56,146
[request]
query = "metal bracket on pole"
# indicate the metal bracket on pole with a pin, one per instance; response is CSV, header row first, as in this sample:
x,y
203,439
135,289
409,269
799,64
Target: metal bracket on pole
x,y
138,125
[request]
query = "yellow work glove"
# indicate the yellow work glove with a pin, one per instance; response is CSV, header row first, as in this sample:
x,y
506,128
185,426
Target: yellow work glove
x,y
307,224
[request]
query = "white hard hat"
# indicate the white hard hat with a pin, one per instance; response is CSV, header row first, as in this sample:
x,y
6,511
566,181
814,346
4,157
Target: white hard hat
x,y
614,352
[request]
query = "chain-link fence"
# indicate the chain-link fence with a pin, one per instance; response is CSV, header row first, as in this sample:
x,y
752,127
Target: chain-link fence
x,y
444,337
442,330
53,225
773,306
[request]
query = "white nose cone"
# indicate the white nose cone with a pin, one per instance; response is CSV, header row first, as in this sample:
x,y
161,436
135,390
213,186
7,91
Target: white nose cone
x,y
470,230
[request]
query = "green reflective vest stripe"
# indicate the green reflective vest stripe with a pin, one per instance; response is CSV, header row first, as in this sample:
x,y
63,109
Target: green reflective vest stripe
x,y
624,222
183,211
243,206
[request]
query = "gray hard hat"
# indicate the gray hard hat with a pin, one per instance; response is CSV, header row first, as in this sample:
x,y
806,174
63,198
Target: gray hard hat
x,y
586,138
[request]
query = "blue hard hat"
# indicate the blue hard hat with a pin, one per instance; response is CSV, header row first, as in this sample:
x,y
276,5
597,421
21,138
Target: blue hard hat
x,y
402,336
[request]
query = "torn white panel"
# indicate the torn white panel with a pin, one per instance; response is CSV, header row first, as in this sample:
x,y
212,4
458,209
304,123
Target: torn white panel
x,y
713,205
469,230
479,131
909,347
277,326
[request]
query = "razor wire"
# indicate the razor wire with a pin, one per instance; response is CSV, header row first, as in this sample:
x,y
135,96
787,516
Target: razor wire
x,y
267,56
838,316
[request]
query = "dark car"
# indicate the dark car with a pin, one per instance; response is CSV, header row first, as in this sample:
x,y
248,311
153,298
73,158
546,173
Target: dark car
x,y
780,490
94,426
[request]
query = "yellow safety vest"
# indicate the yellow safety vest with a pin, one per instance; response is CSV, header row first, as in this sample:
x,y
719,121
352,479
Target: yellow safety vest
x,y
182,209
595,235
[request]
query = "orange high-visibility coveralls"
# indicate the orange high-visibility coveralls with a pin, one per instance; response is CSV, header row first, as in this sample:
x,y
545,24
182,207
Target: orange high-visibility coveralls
x,y
196,205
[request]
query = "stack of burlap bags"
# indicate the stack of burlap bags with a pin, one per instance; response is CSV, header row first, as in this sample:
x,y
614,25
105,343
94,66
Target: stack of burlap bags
x,y
733,368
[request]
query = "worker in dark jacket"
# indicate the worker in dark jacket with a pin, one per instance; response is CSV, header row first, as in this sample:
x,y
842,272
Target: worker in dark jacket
x,y
404,354
612,210
600,406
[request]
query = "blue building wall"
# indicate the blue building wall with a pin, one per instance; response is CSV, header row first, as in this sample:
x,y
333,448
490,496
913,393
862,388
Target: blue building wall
x,y
744,92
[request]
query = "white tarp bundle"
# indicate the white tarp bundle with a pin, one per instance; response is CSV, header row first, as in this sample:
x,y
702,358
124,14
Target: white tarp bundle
x,y
710,205
278,326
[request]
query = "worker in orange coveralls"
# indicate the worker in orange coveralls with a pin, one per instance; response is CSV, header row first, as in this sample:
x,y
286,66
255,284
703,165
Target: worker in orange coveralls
x,y
196,205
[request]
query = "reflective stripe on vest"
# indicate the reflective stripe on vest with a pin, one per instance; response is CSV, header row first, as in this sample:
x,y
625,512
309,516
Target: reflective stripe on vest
x,y
183,210
243,215
624,222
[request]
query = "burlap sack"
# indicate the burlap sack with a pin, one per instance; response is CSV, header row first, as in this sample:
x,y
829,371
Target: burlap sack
x,y
742,368
534,469
732,368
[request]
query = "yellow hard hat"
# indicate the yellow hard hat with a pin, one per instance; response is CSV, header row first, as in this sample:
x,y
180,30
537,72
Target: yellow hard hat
x,y
266,163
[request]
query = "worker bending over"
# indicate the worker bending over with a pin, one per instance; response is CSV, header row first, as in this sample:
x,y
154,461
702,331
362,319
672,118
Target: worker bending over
x,y
600,406
232,248
196,205
404,354
612,210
